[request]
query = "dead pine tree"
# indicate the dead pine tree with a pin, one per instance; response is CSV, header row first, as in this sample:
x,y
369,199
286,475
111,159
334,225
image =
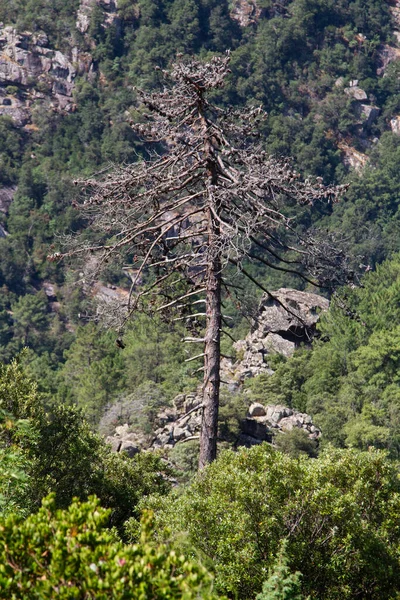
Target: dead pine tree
x,y
208,196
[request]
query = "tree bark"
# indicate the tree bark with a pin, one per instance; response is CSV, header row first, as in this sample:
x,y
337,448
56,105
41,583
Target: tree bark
x,y
212,348
209,427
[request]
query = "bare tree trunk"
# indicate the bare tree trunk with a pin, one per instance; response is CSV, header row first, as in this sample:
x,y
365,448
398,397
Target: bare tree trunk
x,y
212,349
209,427
198,200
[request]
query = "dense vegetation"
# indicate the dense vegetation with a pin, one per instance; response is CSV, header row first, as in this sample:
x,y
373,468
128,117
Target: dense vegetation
x,y
337,515
258,523
289,60
349,381
325,528
72,554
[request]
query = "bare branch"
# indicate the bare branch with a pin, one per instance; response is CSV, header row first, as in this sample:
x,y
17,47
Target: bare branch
x,y
199,291
194,357
207,198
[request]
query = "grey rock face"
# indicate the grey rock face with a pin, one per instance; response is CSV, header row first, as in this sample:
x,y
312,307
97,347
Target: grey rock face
x,y
27,63
256,410
284,322
248,441
84,14
6,197
278,420
276,413
178,433
245,12
388,53
257,429
395,125
85,11
129,448
23,60
122,430
175,424
357,93
261,425
115,442
367,114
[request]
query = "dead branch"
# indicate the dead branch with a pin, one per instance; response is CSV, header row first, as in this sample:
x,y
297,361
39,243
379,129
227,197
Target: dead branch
x,y
207,198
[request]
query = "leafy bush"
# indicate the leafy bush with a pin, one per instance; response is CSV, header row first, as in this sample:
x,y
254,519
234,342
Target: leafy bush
x,y
296,442
340,515
57,452
281,583
70,554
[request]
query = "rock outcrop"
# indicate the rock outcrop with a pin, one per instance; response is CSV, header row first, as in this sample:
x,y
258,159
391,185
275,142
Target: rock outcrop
x,y
353,158
125,441
31,71
355,92
85,12
6,197
172,425
263,422
389,53
395,124
182,423
286,319
366,114
245,12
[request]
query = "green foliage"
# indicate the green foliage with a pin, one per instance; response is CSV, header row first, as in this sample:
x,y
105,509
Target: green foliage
x,y
109,383
59,454
349,380
370,214
281,583
339,515
70,554
54,17
93,372
154,352
14,479
137,409
11,149
232,410
185,459
30,318
295,443
289,61
285,387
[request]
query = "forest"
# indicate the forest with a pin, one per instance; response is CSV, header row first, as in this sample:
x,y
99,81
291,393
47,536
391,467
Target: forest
x,y
310,88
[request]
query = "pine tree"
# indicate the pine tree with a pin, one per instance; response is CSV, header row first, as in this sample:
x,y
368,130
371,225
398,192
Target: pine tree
x,y
206,198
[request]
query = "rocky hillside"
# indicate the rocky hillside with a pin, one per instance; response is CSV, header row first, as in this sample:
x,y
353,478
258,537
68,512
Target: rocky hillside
x,y
33,74
286,319
326,73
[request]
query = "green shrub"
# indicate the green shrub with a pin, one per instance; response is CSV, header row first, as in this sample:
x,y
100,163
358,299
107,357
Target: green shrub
x,y
57,452
67,554
281,583
340,514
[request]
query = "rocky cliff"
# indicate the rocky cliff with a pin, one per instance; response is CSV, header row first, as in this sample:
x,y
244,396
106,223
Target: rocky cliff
x,y
32,73
181,423
286,319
